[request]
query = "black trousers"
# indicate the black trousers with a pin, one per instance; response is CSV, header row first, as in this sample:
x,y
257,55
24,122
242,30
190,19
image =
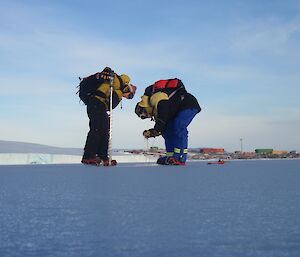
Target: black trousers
x,y
97,137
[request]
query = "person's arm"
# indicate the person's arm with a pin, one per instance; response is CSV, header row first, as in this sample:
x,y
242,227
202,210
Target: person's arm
x,y
160,104
162,115
117,97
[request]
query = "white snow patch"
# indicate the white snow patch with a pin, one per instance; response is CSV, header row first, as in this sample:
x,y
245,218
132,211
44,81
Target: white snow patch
x,y
41,158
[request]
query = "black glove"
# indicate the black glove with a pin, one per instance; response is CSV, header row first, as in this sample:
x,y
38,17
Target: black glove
x,y
151,133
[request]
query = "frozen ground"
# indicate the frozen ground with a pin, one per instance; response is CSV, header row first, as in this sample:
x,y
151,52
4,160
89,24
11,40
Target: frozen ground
x,y
242,208
44,158
12,152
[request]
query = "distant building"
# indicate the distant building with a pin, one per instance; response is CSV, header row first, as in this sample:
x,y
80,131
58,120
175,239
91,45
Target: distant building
x,y
212,150
264,151
279,152
248,154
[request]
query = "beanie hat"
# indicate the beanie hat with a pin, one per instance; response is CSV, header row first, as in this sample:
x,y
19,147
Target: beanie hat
x,y
143,108
144,102
125,79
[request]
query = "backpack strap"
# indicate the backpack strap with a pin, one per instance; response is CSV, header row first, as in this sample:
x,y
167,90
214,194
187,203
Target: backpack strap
x,y
180,87
98,93
174,92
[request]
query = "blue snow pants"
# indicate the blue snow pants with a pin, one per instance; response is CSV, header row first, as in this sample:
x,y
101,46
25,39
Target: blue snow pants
x,y
176,134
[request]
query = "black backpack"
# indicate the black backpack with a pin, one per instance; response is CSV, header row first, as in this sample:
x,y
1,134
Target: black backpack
x,y
88,86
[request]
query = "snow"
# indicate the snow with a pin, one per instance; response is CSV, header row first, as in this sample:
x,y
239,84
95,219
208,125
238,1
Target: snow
x,y
242,208
24,147
12,153
40,158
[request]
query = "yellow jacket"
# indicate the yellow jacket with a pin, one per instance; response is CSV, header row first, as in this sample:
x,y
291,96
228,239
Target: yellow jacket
x,y
104,88
150,103
155,99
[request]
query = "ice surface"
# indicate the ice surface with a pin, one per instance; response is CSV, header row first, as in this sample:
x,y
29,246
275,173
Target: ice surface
x,y
242,209
23,147
27,153
43,158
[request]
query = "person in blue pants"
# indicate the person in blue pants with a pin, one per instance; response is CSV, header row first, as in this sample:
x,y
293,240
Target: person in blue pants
x,y
173,109
176,134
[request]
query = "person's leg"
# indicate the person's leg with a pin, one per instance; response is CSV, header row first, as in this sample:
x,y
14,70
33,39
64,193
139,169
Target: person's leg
x,y
104,137
168,135
98,119
181,122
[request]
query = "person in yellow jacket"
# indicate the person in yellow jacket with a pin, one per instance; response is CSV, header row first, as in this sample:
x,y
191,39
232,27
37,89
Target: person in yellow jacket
x,y
98,102
172,108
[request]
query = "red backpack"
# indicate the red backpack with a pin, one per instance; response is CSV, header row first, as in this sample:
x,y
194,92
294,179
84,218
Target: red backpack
x,y
163,84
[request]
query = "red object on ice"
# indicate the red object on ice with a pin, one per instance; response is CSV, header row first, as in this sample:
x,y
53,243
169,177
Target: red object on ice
x,y
218,162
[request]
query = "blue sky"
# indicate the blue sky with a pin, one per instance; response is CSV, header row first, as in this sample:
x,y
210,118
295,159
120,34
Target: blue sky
x,y
241,59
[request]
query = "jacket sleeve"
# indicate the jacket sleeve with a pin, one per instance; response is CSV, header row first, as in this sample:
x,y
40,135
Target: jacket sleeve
x,y
160,104
116,99
162,115
117,93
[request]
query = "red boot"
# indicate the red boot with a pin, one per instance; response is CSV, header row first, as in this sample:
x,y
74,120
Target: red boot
x,y
173,161
93,161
